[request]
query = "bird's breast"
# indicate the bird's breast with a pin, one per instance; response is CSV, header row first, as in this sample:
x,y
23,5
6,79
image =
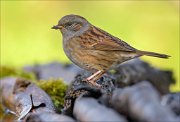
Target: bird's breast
x,y
74,51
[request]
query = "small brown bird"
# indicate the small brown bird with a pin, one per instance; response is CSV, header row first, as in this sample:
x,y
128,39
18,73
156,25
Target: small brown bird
x,y
93,49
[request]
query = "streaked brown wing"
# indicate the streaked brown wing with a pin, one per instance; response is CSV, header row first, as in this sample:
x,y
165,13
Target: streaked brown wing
x,y
109,44
101,40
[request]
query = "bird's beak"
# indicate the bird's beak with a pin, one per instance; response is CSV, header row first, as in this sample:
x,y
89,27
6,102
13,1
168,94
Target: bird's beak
x,y
57,27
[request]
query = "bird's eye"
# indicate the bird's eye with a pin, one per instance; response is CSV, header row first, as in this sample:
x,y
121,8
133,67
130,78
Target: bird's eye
x,y
73,26
69,24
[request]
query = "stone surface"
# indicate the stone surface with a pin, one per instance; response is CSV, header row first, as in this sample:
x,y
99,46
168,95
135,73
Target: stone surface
x,y
88,109
172,100
54,70
141,102
134,91
48,117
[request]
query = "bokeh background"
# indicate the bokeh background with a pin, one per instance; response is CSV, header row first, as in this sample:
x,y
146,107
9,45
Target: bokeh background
x,y
27,37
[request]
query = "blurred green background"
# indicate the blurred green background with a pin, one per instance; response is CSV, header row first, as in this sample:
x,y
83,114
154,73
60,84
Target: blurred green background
x,y
27,37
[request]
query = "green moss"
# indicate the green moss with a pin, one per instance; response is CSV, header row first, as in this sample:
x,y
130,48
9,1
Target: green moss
x,y
56,90
9,71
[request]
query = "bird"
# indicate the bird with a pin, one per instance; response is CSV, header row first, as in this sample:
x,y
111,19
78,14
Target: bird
x,y
94,49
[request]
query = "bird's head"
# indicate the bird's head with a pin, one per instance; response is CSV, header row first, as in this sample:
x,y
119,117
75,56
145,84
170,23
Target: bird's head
x,y
70,25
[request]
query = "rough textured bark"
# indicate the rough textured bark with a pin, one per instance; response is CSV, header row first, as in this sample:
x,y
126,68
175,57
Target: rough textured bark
x,y
78,87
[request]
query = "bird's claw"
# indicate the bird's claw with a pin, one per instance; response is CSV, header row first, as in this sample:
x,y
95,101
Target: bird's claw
x,y
93,83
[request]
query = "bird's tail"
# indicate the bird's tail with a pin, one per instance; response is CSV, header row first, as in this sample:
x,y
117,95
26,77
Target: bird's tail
x,y
152,54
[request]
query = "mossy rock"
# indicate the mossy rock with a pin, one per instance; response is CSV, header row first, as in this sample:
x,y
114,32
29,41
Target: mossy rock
x,y
56,89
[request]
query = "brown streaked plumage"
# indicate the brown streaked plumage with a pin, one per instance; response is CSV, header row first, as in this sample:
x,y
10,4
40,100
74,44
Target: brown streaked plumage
x,y
93,49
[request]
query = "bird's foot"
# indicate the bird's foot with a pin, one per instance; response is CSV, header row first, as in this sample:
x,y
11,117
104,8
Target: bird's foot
x,y
93,78
92,82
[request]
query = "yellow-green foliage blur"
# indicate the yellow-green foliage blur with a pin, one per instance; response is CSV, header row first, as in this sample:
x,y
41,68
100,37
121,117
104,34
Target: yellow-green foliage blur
x,y
27,37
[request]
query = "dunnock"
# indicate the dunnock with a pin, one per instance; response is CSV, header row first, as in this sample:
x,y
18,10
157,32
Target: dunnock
x,y
93,49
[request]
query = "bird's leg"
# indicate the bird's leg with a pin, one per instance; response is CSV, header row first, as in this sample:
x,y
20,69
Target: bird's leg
x,y
94,75
92,79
